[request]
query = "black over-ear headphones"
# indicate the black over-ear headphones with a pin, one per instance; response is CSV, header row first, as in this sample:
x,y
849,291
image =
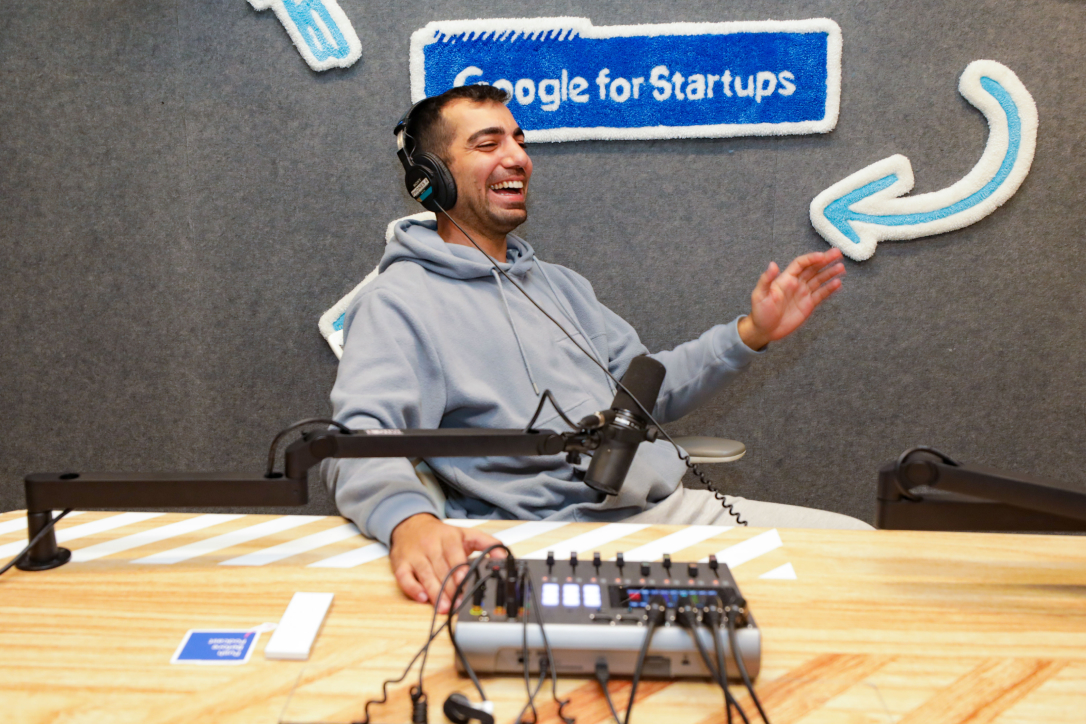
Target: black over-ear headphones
x,y
459,710
426,176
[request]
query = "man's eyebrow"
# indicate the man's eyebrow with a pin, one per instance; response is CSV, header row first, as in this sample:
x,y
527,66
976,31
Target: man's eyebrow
x,y
492,131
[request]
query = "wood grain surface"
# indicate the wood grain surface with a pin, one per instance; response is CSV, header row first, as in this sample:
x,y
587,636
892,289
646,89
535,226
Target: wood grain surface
x,y
884,626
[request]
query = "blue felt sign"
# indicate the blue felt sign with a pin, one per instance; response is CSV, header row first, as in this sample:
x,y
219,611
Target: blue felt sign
x,y
569,80
215,647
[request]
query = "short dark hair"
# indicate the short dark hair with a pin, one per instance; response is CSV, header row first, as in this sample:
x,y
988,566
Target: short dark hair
x,y
429,131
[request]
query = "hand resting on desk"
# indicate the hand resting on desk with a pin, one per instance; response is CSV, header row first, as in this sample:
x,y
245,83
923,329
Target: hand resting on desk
x,y
422,551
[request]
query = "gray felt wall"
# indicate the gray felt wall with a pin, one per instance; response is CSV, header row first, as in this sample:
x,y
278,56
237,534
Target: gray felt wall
x,y
181,198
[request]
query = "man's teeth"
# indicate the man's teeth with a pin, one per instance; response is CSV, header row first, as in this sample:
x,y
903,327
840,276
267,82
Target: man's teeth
x,y
508,185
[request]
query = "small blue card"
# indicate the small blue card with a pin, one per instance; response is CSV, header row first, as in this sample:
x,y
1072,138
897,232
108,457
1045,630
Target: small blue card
x,y
216,647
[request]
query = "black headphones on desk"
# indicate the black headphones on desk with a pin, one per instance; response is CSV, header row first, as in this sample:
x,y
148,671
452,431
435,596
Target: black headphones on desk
x,y
426,176
459,710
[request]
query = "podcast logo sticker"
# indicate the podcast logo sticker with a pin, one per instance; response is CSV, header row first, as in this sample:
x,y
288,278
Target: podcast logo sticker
x,y
215,647
571,81
319,29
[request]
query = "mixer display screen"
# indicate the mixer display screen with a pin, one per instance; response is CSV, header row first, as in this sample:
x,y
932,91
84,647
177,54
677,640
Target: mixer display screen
x,y
639,596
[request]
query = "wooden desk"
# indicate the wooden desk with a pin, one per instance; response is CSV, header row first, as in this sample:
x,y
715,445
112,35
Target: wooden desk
x,y
876,627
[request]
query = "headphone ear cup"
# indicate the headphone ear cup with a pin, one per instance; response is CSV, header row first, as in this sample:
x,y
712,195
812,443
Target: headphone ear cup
x,y
454,708
441,179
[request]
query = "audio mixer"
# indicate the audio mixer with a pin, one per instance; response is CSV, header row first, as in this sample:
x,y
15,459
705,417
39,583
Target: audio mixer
x,y
595,610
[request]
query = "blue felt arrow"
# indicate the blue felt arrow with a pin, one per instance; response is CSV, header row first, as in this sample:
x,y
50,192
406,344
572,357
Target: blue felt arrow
x,y
863,209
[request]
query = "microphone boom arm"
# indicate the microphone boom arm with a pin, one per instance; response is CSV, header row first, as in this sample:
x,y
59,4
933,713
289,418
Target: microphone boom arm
x,y
46,492
972,497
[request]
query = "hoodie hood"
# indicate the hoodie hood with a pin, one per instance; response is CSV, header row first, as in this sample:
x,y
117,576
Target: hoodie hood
x,y
416,240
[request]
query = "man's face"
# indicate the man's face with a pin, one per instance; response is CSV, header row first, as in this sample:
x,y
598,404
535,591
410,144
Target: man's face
x,y
487,159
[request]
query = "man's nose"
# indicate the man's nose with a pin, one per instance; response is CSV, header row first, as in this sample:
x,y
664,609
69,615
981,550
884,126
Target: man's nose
x,y
515,156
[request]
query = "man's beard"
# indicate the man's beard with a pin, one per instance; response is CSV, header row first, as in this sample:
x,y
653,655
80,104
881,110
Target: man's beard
x,y
500,221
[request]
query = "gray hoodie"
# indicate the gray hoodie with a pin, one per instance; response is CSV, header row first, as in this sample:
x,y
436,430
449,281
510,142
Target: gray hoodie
x,y
440,339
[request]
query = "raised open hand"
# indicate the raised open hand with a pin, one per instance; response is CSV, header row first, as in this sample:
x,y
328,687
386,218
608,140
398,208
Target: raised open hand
x,y
782,301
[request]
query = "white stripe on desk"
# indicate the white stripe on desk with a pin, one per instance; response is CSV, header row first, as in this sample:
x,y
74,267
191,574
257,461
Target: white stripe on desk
x,y
524,531
350,559
675,542
10,526
154,535
463,522
591,540
80,531
373,551
227,540
294,547
749,549
780,573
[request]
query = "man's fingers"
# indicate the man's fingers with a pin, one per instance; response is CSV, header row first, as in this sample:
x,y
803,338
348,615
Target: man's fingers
x,y
454,555
477,540
824,292
764,281
409,584
430,576
834,270
806,266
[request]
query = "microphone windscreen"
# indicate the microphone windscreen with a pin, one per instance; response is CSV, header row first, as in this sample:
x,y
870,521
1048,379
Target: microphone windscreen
x,y
643,379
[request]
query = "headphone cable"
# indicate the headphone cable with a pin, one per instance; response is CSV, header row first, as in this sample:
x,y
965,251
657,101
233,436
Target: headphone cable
x,y
648,414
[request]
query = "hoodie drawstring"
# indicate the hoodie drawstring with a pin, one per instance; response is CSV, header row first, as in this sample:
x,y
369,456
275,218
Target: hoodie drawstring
x,y
572,318
516,335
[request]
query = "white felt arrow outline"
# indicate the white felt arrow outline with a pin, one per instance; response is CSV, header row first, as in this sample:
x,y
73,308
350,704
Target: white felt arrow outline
x,y
320,30
863,209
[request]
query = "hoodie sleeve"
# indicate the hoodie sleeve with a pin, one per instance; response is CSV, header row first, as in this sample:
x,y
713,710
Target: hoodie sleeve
x,y
696,370
389,377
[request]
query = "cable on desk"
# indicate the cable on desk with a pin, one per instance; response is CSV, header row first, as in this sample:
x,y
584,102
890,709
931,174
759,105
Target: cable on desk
x,y
712,615
603,675
433,616
533,693
729,617
550,658
684,614
454,609
33,541
522,578
422,650
657,614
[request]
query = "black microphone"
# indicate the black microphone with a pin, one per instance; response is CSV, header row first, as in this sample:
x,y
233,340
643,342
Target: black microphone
x,y
625,426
